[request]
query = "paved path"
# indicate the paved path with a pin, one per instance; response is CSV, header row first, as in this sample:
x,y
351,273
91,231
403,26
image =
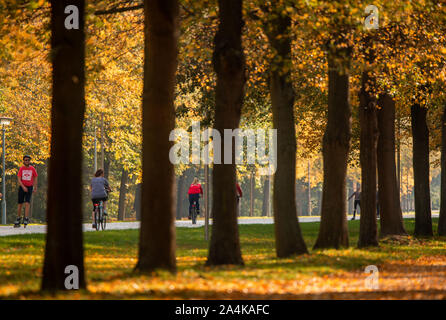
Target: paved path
x,y
10,230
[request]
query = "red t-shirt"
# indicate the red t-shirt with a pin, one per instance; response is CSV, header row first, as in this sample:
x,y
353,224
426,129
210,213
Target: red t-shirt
x,y
239,190
27,175
195,188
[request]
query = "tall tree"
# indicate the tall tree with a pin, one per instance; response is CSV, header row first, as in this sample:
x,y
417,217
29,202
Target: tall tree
x,y
420,134
137,202
368,231
333,231
265,201
122,194
289,240
180,194
442,219
229,64
389,200
64,245
157,234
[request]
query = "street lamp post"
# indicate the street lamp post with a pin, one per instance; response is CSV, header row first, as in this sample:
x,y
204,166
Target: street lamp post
x,y
4,121
95,152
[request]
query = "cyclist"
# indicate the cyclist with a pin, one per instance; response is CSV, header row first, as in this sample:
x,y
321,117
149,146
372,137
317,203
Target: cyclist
x,y
99,188
27,179
194,194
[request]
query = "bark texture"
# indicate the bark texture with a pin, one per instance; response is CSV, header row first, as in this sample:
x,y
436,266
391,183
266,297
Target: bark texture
x,y
229,65
288,236
333,232
157,235
122,194
265,202
368,230
389,200
64,244
180,196
137,203
442,219
420,134
251,194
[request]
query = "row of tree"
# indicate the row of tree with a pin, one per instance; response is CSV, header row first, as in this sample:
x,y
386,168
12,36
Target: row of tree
x,y
114,60
330,26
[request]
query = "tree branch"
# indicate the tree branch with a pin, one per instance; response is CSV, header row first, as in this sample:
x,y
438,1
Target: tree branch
x,y
118,10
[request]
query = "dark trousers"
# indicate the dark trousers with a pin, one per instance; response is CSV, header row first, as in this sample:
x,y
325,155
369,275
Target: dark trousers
x,y
25,196
192,198
357,203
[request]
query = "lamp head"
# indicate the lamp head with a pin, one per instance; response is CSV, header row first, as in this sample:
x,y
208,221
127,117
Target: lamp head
x,y
4,121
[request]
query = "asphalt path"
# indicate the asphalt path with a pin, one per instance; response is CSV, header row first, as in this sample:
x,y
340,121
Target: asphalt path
x,y
40,228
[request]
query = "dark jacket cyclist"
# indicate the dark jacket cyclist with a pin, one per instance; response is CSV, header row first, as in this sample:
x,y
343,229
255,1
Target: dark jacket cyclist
x,y
99,188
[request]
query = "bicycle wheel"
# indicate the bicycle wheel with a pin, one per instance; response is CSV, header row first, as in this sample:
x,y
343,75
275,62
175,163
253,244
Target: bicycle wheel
x,y
96,218
103,220
194,214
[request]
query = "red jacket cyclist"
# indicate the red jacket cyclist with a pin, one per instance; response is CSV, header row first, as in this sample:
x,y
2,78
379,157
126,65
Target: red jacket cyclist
x,y
194,194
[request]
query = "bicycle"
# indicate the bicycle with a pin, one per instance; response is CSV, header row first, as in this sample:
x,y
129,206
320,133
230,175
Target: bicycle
x,y
99,216
194,213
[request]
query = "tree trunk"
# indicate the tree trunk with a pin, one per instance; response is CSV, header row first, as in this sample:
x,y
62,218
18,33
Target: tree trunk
x,y
442,218
229,65
206,202
333,231
137,203
309,190
64,246
289,240
407,191
349,192
251,195
300,195
368,230
122,195
398,156
107,165
180,195
265,203
103,146
420,133
389,200
157,235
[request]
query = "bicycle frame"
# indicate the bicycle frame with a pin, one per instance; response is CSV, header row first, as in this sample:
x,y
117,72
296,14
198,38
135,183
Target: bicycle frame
x,y
194,212
99,208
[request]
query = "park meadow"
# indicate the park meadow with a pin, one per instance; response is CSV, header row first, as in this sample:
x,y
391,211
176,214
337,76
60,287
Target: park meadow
x,y
333,111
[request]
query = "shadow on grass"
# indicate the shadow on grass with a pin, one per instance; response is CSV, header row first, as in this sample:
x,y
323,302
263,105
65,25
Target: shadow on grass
x,y
257,243
233,295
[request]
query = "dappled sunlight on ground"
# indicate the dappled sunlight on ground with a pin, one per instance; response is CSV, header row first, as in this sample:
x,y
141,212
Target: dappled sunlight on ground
x,y
409,268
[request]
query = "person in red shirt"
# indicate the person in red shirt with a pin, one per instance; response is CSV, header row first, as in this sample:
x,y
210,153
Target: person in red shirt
x,y
194,194
27,179
239,191
238,196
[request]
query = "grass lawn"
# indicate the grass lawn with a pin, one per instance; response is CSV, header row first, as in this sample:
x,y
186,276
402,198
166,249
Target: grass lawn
x,y
408,268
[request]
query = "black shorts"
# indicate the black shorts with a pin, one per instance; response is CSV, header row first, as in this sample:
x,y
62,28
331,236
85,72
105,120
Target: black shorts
x,y
25,196
98,200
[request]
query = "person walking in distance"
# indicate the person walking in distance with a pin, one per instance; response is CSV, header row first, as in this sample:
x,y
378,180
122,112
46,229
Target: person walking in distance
x,y
239,194
27,179
357,195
